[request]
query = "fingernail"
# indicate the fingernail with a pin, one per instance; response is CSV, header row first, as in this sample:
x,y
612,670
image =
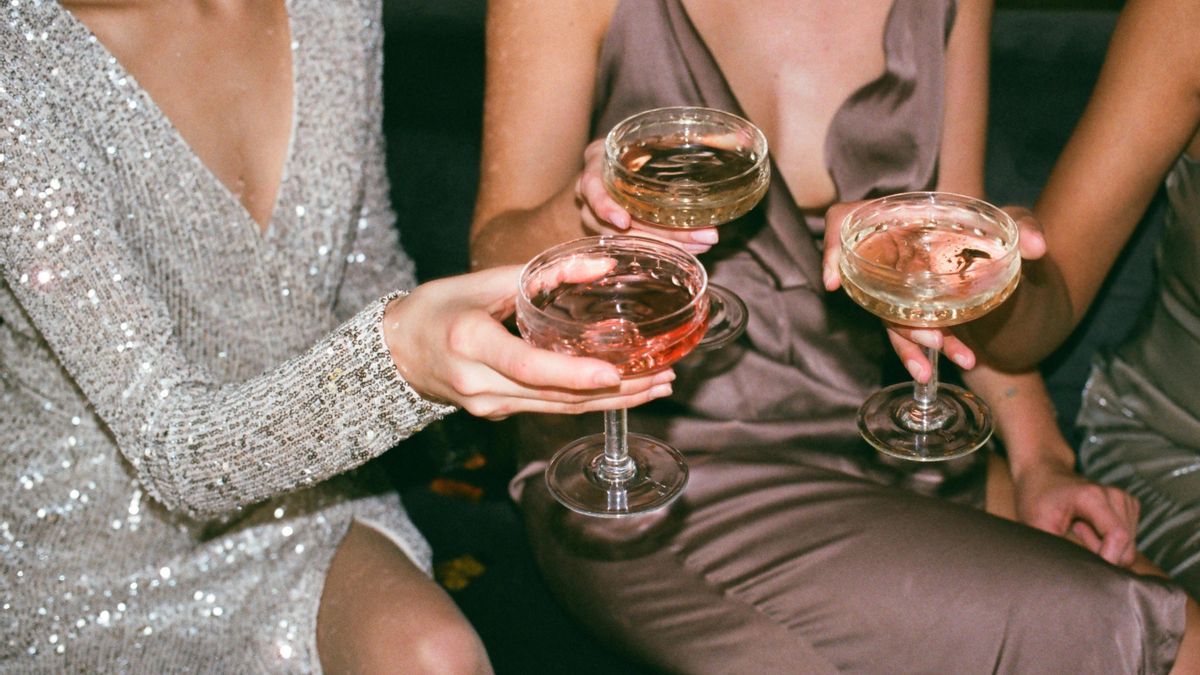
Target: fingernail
x,y
914,368
927,338
830,278
705,236
607,378
962,360
664,377
660,390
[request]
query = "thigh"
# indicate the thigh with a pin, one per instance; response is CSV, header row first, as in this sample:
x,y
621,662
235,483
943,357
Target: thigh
x,y
767,564
380,613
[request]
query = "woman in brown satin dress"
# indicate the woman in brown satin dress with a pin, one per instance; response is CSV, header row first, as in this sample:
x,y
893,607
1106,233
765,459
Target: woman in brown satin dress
x,y
794,549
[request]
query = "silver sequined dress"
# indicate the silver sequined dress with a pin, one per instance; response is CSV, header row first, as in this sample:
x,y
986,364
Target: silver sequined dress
x,y
175,385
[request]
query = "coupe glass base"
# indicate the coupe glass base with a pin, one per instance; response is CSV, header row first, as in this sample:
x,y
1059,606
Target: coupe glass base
x,y
658,479
958,423
727,317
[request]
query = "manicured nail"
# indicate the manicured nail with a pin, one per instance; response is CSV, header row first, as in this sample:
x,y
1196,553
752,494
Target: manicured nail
x,y
915,369
962,360
664,377
705,237
660,390
830,277
927,338
607,378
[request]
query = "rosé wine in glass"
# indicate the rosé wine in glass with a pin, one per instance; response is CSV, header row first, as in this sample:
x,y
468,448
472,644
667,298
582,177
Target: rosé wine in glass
x,y
641,305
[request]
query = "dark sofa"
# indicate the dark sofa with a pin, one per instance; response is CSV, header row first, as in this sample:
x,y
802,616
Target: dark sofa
x,y
1044,64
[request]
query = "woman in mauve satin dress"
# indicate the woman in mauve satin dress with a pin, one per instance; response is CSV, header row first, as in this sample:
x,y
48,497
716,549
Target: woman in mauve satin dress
x,y
795,549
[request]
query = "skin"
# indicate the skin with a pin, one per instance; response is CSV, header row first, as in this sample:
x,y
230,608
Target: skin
x,y
1143,114
221,72
540,189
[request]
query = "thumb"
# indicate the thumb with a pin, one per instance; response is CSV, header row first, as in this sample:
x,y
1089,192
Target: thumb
x,y
834,218
493,290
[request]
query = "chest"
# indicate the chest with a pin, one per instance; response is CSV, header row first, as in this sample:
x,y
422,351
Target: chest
x,y
791,64
222,74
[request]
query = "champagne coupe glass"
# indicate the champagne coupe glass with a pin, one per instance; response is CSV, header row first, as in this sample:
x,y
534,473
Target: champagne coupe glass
x,y
687,167
641,305
928,260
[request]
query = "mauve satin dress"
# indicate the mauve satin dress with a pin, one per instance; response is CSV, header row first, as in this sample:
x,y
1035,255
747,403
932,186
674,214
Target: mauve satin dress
x,y
795,549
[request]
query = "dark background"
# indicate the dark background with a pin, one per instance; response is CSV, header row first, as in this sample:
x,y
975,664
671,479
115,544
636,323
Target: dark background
x,y
1045,58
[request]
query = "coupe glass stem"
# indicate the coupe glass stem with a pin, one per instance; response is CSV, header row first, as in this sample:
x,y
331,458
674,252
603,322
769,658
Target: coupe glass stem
x,y
616,467
923,414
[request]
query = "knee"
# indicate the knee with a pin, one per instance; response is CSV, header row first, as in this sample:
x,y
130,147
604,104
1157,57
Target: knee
x,y
443,644
449,647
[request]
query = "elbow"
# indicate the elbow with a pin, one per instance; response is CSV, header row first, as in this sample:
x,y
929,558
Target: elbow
x,y
185,493
1029,326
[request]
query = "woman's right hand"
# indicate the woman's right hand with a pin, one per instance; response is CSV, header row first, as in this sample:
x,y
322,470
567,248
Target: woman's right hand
x,y
448,342
909,343
601,214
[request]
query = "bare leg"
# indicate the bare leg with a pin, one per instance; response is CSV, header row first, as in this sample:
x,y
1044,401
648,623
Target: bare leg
x,y
381,614
1001,501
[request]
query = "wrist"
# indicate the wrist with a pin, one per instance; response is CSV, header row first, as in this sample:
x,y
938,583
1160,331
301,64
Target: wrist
x,y
1050,457
391,326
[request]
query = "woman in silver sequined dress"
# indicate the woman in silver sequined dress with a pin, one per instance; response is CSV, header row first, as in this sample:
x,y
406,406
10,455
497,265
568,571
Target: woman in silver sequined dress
x,y
199,337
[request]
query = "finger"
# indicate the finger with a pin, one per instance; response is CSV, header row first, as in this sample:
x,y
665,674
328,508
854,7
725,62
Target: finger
x,y
525,364
494,289
1085,536
958,351
1116,541
591,189
911,355
695,241
729,140
1133,508
1031,237
500,407
572,397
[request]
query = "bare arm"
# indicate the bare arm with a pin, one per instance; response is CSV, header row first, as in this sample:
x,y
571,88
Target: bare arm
x,y
964,134
541,65
1048,493
1142,115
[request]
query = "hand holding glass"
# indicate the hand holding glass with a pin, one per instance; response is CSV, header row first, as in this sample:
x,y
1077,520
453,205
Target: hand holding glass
x,y
928,260
641,305
689,167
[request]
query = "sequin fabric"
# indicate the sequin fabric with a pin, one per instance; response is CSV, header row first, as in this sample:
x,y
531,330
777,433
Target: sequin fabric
x,y
181,395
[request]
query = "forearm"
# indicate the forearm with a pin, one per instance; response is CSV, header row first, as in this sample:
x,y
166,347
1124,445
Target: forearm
x,y
1025,419
515,236
1019,334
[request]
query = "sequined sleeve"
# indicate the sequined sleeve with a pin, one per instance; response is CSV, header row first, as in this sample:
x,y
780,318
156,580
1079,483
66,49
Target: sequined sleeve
x,y
197,446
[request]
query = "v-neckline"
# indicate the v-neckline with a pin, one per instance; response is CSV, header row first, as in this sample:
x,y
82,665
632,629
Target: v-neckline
x,y
273,227
829,137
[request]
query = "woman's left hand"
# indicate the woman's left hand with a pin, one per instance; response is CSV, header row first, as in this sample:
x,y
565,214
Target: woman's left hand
x,y
910,343
1101,518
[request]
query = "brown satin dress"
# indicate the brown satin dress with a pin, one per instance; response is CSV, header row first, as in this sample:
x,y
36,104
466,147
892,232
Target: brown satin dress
x,y
795,548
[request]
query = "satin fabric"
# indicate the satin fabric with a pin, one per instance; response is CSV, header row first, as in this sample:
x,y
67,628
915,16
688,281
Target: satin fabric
x,y
796,549
1141,411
